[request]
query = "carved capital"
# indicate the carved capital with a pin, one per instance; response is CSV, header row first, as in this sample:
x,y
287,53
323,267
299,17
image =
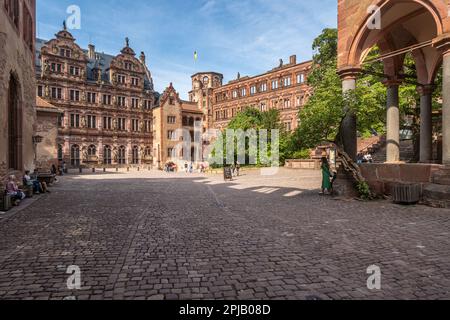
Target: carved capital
x,y
425,90
349,73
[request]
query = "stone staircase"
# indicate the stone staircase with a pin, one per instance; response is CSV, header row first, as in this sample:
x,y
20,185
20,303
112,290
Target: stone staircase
x,y
437,194
406,152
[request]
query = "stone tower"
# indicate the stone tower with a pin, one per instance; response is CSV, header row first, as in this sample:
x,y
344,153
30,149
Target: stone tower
x,y
203,85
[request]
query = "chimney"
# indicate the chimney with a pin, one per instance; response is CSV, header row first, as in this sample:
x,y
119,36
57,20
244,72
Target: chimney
x,y
142,57
293,59
91,52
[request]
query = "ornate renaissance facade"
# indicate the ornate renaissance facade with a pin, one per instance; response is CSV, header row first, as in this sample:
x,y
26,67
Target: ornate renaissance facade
x,y
283,88
174,130
17,86
106,102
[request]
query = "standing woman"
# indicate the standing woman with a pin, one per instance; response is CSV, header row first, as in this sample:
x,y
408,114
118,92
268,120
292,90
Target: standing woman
x,y
326,175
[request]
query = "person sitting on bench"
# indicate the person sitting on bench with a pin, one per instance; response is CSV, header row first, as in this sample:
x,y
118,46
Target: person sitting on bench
x,y
34,177
35,184
13,191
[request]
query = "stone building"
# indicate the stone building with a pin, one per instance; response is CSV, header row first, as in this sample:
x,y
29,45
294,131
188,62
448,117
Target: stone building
x,y
176,123
47,133
106,102
17,85
283,88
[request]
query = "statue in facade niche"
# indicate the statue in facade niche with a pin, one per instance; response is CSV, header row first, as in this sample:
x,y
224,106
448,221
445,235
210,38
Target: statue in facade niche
x,y
115,124
47,92
83,122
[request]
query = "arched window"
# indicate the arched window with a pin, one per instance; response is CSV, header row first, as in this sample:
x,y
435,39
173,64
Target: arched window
x,y
135,155
75,155
107,159
122,155
14,126
92,150
60,153
148,151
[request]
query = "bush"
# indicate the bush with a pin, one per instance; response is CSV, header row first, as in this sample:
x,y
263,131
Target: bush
x,y
302,154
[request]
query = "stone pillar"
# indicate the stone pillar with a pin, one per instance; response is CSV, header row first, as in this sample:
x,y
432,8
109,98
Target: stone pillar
x,y
392,122
426,123
446,107
348,129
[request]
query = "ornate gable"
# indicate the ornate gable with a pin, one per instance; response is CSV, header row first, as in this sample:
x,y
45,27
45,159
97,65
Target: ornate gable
x,y
170,94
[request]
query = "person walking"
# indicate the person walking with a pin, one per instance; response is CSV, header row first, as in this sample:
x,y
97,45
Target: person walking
x,y
326,175
238,168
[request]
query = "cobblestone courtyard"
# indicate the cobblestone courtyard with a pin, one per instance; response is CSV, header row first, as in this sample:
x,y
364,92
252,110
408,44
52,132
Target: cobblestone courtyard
x,y
149,235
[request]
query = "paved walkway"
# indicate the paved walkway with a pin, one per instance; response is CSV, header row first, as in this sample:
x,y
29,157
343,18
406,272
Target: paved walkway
x,y
148,235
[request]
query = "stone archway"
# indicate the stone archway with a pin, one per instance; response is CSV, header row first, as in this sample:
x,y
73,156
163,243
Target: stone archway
x,y
416,26
15,142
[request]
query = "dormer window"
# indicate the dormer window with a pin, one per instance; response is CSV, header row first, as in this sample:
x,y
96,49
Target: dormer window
x,y
128,66
65,53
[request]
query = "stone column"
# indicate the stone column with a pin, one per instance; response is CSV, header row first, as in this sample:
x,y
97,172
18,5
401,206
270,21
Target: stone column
x,y
348,129
446,107
393,122
426,123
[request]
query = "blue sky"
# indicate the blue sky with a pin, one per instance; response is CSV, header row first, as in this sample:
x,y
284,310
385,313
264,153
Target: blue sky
x,y
230,36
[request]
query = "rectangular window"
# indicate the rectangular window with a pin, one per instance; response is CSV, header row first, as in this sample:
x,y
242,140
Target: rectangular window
x,y
121,123
74,71
121,101
287,81
147,104
135,82
74,120
147,125
74,95
91,97
235,94
170,152
107,123
92,122
253,90
134,125
243,92
56,67
128,65
263,107
107,99
274,84
287,103
300,78
288,126
121,79
57,93
171,120
171,135
40,91
134,103
263,87
65,53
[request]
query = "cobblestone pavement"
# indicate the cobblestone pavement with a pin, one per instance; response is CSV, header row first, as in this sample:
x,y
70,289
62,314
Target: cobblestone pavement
x,y
152,236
